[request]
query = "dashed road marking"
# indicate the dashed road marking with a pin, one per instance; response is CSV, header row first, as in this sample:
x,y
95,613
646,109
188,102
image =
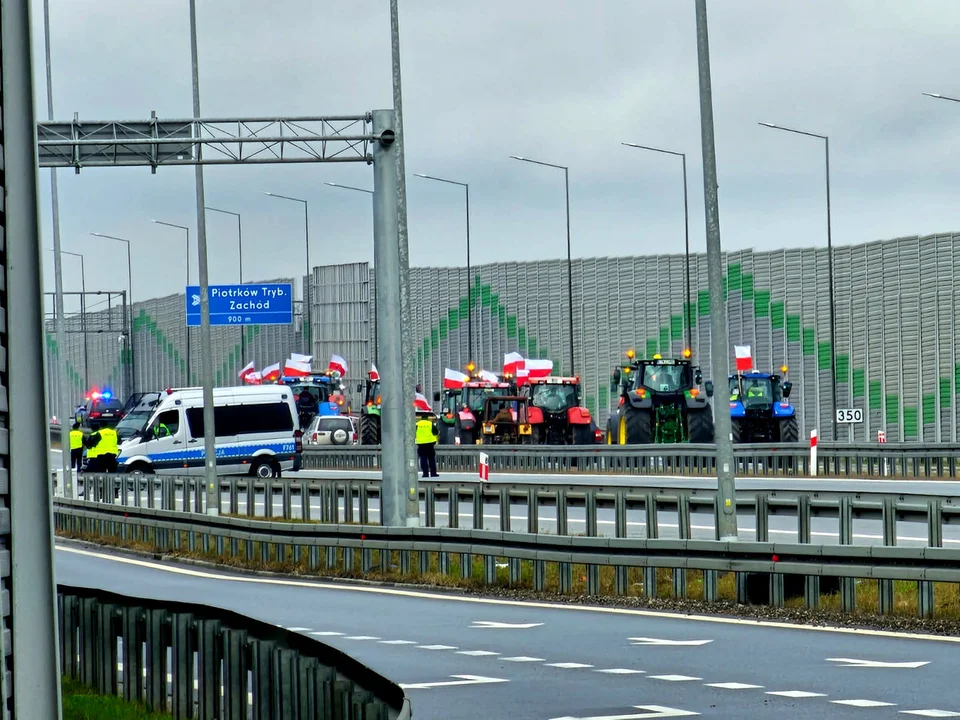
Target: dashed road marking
x,y
398,642
931,713
620,671
734,686
863,703
436,647
297,629
675,678
523,658
476,653
361,637
569,665
796,694
326,633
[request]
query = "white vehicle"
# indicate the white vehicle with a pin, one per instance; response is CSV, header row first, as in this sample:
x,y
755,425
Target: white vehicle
x,y
257,433
331,430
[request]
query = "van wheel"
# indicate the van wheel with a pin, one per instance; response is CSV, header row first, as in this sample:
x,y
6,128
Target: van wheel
x,y
140,469
265,469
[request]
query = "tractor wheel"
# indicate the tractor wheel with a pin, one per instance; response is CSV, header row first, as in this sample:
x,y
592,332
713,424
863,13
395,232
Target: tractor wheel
x,y
736,430
700,426
582,435
635,427
789,430
611,437
369,430
467,437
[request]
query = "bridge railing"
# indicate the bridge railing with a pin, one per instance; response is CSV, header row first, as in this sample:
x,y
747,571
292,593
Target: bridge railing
x,y
194,661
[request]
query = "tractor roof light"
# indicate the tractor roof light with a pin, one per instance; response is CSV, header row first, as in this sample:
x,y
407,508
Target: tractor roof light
x,y
631,354
471,367
657,356
687,353
783,369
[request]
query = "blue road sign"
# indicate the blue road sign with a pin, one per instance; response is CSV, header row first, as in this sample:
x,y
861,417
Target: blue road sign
x,y
249,304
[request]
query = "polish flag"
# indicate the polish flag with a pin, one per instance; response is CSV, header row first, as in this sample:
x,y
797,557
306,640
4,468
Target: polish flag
x,y
512,362
338,364
489,376
374,373
297,357
271,373
253,378
454,379
247,370
294,368
422,404
538,368
744,361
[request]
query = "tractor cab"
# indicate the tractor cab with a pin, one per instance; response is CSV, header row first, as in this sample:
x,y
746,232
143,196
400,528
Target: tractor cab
x,y
759,409
504,421
316,394
557,414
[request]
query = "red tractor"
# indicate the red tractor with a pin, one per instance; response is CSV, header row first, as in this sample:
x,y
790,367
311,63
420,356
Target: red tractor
x,y
556,413
462,408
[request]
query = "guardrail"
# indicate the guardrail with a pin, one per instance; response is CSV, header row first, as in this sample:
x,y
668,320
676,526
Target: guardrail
x,y
563,510
335,548
893,460
195,661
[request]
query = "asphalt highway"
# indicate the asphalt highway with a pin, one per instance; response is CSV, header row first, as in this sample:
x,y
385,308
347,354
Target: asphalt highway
x,y
467,657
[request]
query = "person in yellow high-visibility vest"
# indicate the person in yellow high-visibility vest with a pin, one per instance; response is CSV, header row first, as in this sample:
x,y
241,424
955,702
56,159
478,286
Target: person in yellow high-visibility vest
x,y
76,447
428,434
103,448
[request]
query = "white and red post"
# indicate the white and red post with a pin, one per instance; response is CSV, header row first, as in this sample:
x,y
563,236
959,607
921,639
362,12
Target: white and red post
x,y
813,453
484,467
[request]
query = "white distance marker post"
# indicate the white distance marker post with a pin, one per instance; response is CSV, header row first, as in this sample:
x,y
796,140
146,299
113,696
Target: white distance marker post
x,y
813,453
484,467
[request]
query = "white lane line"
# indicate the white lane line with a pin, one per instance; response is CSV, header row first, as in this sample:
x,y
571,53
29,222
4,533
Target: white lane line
x,y
523,658
298,629
620,671
734,686
675,678
863,703
398,642
436,647
568,665
476,653
463,680
796,694
168,566
361,637
326,633
931,713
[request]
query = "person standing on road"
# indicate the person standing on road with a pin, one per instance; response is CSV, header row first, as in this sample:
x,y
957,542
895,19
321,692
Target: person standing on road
x,y
76,447
103,449
428,434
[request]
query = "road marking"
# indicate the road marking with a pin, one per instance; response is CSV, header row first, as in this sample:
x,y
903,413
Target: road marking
x,y
796,694
436,647
169,566
461,680
476,653
675,678
863,703
326,633
298,629
621,671
398,642
568,665
502,625
658,641
851,662
734,686
931,713
523,658
361,637
651,712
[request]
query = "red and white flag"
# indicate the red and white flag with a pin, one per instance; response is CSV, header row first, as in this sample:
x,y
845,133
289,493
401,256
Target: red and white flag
x,y
422,404
538,368
512,363
301,358
271,373
247,370
374,373
338,364
253,378
489,376
454,379
744,361
294,368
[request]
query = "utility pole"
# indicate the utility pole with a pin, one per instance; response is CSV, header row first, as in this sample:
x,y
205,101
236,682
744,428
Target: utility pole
x,y
719,351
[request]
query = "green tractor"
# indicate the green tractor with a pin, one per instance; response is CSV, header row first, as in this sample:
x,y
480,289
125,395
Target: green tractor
x,y
369,423
660,402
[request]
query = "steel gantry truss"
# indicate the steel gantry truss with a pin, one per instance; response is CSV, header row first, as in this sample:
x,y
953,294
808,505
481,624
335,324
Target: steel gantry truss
x,y
213,141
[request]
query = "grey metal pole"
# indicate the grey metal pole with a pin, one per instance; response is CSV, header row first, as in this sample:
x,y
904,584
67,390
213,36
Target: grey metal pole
x,y
307,315
395,400
63,381
566,183
34,661
83,315
206,342
466,188
406,312
183,227
726,487
131,348
243,348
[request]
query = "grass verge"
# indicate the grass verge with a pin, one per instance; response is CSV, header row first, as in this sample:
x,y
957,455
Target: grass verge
x,y
83,703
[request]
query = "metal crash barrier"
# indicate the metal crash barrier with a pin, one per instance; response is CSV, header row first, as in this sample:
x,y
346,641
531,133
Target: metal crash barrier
x,y
194,661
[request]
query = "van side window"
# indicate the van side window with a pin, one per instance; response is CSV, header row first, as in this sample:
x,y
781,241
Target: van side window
x,y
166,424
243,419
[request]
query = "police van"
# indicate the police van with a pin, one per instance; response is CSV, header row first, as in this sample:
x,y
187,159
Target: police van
x,y
257,433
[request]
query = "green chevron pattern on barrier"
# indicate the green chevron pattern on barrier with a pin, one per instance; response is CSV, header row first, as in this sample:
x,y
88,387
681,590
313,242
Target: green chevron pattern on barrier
x,y
76,380
764,306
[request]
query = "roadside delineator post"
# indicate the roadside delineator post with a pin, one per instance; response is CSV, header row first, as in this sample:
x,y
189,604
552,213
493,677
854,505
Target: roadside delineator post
x,y
484,466
882,438
813,453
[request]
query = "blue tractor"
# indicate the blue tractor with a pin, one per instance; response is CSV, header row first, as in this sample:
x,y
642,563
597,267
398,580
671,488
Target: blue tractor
x,y
759,410
317,394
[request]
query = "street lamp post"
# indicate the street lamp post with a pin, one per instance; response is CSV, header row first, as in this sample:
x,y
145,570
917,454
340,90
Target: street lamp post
x,y
243,346
133,369
187,230
566,179
308,295
376,343
833,311
686,231
83,319
466,188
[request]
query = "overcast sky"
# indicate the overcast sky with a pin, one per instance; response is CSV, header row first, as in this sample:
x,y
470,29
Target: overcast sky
x,y
564,82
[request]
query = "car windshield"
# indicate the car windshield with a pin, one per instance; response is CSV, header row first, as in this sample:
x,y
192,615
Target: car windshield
x,y
554,398
755,391
665,378
473,397
132,423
